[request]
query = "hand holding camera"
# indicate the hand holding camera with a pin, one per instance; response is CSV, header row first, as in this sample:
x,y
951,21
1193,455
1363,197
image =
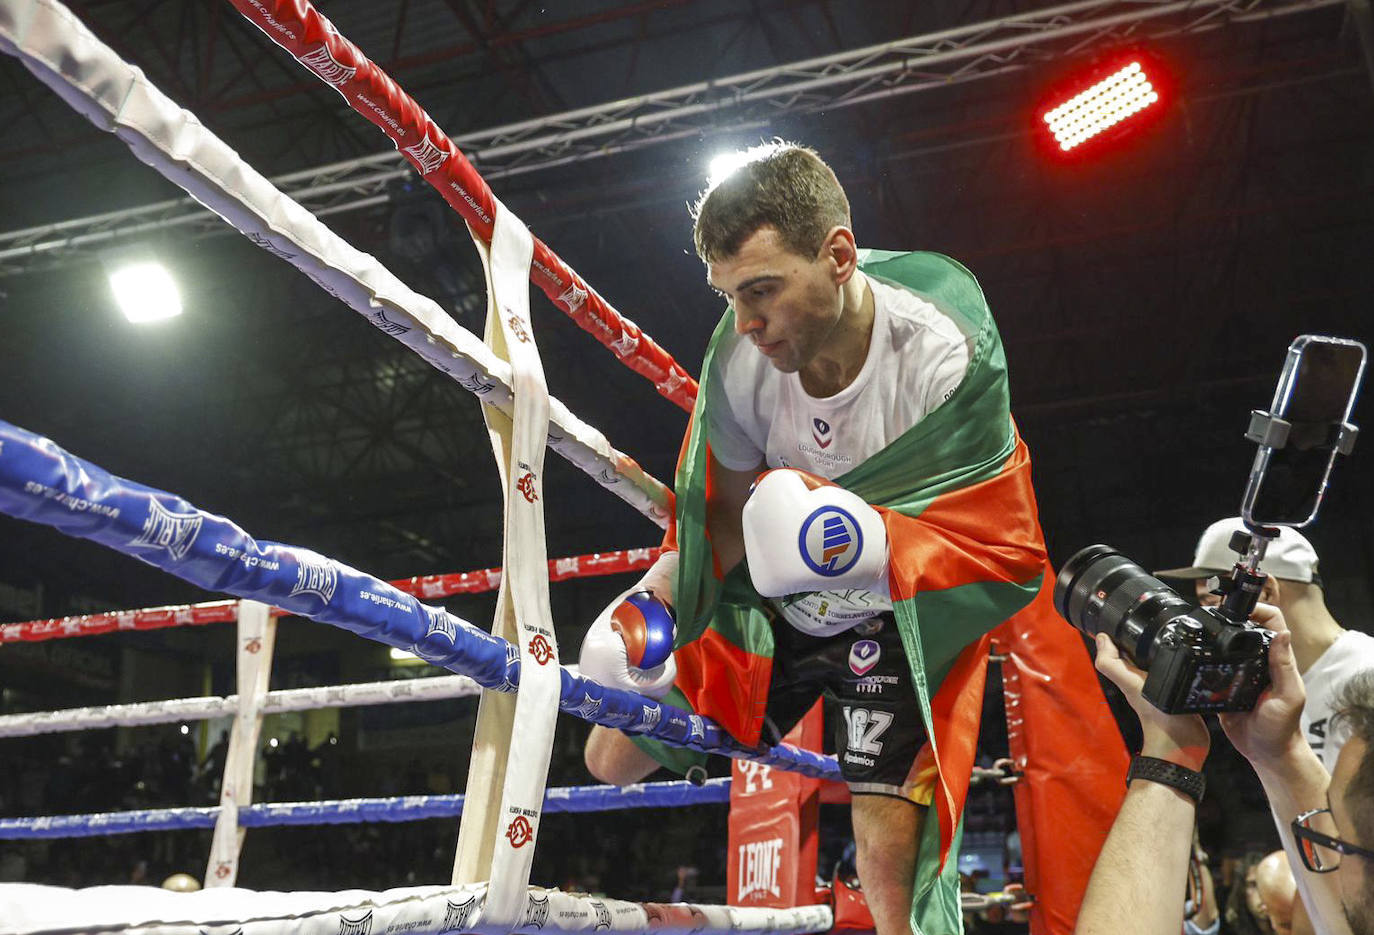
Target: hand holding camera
x,y
1270,730
1266,733
1179,738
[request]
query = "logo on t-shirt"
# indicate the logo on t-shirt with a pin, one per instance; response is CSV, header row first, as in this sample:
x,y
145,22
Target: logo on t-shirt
x,y
863,656
830,541
820,431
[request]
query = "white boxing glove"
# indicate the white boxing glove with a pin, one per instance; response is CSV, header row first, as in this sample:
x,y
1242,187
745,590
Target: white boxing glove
x,y
801,535
636,624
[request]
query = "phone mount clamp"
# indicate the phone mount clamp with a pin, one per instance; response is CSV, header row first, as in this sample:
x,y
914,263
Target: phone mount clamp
x,y
1240,592
1271,431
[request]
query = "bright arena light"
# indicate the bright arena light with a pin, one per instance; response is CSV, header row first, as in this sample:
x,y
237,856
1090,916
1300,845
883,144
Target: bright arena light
x,y
401,657
723,164
1109,102
145,291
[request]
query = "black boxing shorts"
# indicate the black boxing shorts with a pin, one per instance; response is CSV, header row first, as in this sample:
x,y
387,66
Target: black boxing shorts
x,y
880,740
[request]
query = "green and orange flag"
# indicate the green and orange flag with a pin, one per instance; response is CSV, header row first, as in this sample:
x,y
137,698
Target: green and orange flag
x,y
968,566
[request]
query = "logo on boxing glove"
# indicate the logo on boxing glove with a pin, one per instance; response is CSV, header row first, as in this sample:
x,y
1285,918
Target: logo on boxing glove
x,y
646,623
830,541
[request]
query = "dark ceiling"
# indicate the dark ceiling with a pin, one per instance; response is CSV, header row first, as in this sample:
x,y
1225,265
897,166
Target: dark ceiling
x,y
1145,297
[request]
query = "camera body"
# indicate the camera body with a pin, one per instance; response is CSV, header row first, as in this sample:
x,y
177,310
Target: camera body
x,y
1204,662
1197,659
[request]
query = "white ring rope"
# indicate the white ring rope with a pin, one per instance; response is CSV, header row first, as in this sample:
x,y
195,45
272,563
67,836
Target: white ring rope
x,y
203,709
32,909
502,849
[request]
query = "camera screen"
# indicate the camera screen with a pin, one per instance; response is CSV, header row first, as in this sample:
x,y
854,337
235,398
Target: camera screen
x,y
1322,388
1214,685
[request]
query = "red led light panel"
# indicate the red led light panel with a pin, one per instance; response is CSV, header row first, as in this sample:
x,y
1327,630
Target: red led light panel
x,y
1117,98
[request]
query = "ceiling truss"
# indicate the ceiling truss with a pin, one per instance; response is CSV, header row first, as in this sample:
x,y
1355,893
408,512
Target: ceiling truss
x,y
751,99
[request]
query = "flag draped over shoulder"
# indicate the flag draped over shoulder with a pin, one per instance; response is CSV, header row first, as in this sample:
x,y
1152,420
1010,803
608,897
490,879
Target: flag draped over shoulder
x,y
967,556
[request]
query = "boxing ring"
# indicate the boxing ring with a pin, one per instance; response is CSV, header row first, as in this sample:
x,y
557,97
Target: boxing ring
x,y
514,668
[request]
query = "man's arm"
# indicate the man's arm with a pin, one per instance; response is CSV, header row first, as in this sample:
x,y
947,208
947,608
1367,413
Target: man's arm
x,y
1207,918
1139,883
724,505
1294,780
1140,879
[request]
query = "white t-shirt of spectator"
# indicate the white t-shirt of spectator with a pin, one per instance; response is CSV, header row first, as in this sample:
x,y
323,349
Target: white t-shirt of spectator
x,y
916,359
1352,652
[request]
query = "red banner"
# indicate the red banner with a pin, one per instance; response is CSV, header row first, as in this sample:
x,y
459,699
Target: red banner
x,y
773,817
300,29
1066,744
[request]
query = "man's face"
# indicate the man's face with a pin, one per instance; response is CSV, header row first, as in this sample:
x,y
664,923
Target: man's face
x,y
1355,873
787,304
1253,901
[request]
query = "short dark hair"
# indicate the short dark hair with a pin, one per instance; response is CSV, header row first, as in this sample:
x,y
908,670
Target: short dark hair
x,y
778,184
1355,716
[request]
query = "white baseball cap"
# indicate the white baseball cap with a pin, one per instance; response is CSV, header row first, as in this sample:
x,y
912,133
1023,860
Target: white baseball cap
x,y
1290,556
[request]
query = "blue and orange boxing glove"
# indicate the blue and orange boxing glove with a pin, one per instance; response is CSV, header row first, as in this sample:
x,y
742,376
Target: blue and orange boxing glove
x,y
645,622
630,645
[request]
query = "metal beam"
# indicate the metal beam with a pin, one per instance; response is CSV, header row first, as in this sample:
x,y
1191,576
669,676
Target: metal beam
x,y
753,98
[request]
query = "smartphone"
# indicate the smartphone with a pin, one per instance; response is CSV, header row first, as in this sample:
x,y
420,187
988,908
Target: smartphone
x,y
1315,395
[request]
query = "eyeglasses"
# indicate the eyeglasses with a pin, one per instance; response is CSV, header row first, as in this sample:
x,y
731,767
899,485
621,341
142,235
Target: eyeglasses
x,y
1321,851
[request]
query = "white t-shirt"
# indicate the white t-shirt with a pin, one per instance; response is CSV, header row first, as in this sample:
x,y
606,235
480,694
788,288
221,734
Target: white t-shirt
x,y
916,359
1352,652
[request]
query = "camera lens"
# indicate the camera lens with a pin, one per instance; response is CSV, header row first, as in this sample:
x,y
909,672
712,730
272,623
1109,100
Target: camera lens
x,y
1100,590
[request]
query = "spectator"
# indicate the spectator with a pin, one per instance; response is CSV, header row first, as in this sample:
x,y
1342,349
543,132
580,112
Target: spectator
x,y
1246,912
1275,890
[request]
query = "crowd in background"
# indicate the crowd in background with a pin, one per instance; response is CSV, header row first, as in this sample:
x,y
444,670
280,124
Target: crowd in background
x,y
651,854
81,773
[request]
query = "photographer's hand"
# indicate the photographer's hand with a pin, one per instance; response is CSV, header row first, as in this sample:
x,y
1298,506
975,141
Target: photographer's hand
x,y
1294,779
1127,895
1178,738
1270,732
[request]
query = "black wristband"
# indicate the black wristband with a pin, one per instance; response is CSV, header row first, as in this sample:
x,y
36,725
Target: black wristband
x,y
1190,782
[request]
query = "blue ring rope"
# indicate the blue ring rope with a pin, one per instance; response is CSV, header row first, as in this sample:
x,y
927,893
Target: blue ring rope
x,y
570,800
42,483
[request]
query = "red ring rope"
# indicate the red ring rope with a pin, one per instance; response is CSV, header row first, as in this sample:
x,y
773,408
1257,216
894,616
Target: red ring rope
x,y
300,29
426,587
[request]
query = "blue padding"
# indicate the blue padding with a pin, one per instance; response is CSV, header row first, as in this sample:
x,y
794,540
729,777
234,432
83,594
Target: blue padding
x,y
42,483
359,811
